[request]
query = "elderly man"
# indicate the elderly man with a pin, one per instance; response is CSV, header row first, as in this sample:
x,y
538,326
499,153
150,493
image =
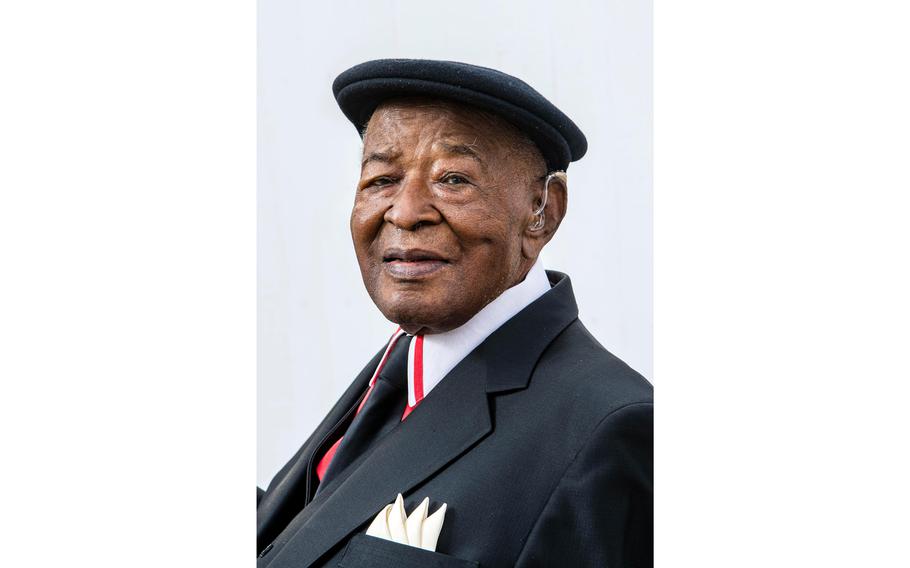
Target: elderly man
x,y
492,429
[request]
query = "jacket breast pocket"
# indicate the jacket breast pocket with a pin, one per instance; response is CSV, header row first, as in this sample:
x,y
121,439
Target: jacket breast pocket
x,y
366,550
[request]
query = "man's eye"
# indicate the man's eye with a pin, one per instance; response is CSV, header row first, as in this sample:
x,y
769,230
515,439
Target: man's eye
x,y
454,179
381,181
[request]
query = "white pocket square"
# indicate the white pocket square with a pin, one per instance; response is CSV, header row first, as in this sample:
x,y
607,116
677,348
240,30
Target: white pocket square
x,y
416,529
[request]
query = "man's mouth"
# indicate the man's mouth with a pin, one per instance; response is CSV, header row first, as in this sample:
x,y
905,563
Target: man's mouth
x,y
408,264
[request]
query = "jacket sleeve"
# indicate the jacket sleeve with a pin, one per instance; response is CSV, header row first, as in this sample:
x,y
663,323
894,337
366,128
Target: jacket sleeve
x,y
601,511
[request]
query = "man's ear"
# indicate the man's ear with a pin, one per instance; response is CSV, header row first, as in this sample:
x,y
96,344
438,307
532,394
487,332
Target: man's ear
x,y
541,228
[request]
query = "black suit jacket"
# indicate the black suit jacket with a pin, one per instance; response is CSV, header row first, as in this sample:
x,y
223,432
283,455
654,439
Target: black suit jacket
x,y
540,441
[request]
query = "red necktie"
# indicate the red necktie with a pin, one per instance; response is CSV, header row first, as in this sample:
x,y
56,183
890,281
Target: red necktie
x,y
396,356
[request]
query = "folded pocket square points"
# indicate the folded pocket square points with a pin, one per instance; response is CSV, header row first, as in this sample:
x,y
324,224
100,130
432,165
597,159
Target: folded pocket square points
x,y
417,529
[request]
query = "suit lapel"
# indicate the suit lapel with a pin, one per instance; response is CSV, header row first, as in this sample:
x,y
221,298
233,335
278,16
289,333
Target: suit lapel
x,y
286,495
451,419
410,453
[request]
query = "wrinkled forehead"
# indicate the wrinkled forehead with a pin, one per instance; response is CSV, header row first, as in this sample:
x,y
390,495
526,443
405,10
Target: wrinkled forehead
x,y
434,122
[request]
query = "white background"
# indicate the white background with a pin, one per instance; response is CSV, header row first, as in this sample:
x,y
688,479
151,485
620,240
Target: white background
x,y
128,289
317,326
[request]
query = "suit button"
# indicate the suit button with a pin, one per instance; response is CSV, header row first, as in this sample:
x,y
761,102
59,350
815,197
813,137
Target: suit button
x,y
266,550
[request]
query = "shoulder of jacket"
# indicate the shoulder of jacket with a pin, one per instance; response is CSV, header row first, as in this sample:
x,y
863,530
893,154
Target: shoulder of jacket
x,y
585,370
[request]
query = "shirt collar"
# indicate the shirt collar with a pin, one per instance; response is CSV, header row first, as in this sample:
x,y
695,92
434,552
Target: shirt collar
x,y
431,357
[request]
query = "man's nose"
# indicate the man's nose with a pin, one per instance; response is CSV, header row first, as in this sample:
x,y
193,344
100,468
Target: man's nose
x,y
413,205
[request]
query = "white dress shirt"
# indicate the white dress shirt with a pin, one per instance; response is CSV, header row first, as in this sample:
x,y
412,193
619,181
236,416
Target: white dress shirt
x,y
442,351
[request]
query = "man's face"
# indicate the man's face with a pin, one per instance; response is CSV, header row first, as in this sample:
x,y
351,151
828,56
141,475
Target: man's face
x,y
440,220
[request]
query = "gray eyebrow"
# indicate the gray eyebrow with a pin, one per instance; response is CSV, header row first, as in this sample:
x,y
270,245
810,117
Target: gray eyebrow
x,y
384,157
463,150
460,149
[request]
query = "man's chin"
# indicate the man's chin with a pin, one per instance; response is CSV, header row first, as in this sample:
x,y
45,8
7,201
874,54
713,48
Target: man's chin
x,y
424,318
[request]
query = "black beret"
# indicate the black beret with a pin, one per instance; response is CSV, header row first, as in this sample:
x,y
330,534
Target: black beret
x,y
361,89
